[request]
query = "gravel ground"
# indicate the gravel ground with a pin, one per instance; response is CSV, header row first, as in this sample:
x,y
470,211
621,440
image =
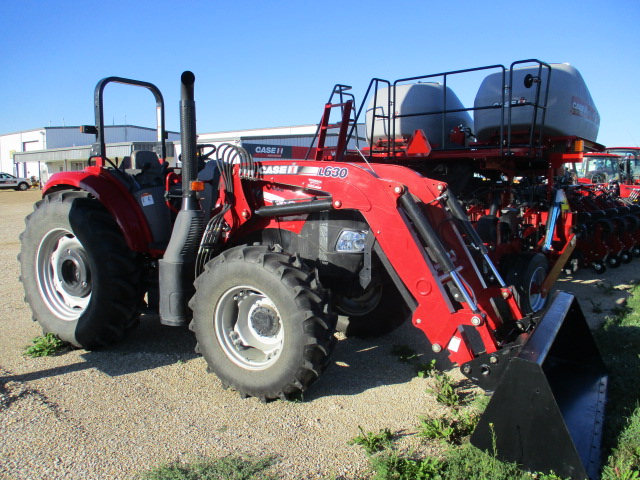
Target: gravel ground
x,y
148,400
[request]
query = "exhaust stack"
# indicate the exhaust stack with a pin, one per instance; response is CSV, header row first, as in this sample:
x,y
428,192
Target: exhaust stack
x,y
177,268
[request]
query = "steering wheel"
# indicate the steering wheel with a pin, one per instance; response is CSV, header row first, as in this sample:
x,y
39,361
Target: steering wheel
x,y
206,155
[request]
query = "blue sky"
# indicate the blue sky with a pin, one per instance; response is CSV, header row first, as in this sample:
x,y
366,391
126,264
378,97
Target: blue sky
x,y
273,63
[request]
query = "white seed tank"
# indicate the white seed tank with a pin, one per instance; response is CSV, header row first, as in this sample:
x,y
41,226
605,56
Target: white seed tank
x,y
570,108
417,98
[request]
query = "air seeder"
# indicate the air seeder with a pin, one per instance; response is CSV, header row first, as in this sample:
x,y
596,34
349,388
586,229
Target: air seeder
x,y
260,257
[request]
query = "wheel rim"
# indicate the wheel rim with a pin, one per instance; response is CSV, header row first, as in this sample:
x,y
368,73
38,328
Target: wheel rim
x,y
536,300
249,328
64,274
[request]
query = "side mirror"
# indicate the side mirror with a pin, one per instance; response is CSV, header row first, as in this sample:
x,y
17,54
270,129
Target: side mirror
x,y
89,129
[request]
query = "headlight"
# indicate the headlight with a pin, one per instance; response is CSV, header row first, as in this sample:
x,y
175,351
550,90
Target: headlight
x,y
351,241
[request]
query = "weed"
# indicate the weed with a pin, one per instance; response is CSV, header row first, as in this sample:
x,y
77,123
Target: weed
x,y
227,468
436,428
373,442
426,369
45,346
450,429
445,391
596,307
404,353
391,465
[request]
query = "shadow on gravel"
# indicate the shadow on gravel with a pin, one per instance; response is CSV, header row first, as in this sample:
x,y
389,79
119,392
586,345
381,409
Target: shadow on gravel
x,y
147,347
358,365
49,372
150,345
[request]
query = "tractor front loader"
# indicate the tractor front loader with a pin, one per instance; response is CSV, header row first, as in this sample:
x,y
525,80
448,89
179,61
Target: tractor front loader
x,y
260,257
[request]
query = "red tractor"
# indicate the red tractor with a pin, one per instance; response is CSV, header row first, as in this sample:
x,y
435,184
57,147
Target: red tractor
x,y
629,172
598,168
260,257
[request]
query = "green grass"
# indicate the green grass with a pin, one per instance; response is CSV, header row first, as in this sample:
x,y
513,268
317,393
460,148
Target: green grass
x,y
45,346
619,343
227,468
624,461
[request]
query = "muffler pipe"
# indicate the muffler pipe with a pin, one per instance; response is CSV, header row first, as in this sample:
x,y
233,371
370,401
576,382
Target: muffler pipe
x,y
177,267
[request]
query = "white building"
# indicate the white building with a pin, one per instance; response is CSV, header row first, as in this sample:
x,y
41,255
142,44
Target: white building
x,y
46,139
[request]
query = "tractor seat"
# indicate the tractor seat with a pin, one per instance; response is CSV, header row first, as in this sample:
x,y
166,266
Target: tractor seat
x,y
144,159
147,169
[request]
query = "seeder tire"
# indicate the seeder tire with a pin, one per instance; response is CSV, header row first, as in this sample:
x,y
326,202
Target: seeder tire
x,y
626,256
613,261
262,322
599,267
80,278
526,273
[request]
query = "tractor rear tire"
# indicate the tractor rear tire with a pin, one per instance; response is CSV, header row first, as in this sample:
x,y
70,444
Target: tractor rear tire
x,y
81,281
526,273
262,322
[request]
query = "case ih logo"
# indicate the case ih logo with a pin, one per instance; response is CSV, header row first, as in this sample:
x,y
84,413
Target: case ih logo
x,y
582,109
268,151
279,169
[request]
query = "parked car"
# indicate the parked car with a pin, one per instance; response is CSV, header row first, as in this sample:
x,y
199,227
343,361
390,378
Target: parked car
x,y
10,181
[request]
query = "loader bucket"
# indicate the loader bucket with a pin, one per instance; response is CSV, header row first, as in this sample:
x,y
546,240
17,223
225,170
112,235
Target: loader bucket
x,y
548,408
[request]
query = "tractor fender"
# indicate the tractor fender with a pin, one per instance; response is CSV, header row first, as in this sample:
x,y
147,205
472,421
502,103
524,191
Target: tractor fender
x,y
116,198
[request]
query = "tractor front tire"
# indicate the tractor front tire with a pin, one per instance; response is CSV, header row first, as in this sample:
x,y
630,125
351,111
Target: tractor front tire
x,y
262,322
80,278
